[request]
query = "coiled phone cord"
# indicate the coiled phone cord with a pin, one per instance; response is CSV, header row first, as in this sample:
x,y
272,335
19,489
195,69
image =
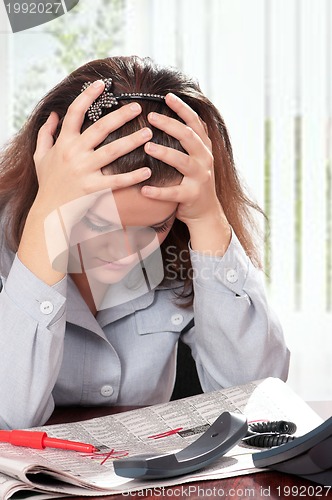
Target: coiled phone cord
x,y
269,434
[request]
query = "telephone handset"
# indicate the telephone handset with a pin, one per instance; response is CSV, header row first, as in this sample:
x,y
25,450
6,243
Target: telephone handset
x,y
308,456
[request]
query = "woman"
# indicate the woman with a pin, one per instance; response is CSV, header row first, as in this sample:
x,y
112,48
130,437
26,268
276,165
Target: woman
x,y
121,163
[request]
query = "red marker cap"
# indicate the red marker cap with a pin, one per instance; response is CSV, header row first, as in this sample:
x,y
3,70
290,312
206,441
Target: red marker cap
x,y
40,440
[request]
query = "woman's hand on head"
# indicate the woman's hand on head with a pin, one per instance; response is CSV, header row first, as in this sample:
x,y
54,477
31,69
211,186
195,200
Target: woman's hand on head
x,y
70,168
199,207
196,193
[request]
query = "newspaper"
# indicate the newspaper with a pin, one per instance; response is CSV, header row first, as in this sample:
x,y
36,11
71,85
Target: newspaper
x,y
161,428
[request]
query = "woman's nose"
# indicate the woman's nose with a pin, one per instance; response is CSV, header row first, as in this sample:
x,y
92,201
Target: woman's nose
x,y
120,244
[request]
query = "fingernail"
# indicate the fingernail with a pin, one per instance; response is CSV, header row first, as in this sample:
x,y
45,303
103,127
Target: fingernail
x,y
147,190
146,172
135,107
146,133
153,116
151,146
98,84
173,97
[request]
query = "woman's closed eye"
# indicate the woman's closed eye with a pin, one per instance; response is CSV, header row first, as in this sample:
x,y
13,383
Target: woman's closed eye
x,y
98,227
161,229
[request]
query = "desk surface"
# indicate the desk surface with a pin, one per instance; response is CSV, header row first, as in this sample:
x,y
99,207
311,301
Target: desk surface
x,y
271,485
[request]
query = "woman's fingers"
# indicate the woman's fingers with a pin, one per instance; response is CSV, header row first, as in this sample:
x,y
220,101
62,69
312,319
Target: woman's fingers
x,y
181,161
186,135
189,116
118,181
197,164
72,122
110,152
45,139
169,193
97,133
195,195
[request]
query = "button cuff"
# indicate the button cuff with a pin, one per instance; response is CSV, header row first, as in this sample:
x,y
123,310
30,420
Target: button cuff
x,y
106,391
46,307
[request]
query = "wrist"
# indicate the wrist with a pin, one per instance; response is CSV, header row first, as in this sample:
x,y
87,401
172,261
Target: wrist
x,y
40,245
210,234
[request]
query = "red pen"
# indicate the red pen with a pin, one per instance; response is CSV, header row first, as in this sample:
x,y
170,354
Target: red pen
x,y
165,434
40,440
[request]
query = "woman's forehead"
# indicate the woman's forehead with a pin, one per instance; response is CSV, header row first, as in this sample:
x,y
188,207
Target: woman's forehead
x,y
127,206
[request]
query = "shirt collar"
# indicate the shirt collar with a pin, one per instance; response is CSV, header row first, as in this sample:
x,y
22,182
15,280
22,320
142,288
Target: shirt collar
x,y
79,314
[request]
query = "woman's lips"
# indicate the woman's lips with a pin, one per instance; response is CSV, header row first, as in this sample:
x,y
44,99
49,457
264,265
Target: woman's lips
x,y
116,264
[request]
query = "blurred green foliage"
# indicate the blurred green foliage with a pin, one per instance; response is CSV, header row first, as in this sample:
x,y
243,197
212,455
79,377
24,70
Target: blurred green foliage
x,y
84,34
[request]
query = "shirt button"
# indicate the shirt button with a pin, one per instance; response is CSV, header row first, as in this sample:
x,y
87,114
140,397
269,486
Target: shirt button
x,y
106,391
46,307
232,276
177,319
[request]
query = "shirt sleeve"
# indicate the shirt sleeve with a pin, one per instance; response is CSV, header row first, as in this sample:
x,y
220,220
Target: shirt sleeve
x,y
237,338
31,342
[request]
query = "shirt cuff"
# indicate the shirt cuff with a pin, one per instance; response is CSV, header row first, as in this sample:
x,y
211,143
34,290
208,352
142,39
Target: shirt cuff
x,y
223,274
42,302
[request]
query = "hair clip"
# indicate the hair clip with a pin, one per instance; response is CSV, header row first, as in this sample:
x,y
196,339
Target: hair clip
x,y
107,99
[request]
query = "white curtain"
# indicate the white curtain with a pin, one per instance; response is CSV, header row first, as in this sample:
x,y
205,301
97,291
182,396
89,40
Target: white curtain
x,y
267,64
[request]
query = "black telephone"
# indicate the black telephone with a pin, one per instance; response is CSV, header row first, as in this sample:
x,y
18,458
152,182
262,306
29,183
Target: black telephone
x,y
308,456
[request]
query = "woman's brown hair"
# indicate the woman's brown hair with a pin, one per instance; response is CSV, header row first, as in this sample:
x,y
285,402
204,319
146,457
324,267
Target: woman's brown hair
x,y
18,180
